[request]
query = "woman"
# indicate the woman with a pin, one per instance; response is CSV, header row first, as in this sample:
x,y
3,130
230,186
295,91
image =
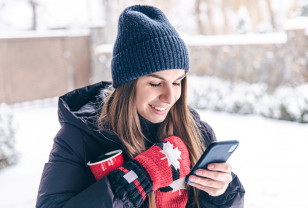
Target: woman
x,y
146,116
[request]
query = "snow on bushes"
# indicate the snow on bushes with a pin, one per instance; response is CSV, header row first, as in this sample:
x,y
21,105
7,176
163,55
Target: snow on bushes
x,y
283,103
8,154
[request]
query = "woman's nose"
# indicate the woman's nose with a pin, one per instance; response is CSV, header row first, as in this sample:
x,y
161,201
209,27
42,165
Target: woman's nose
x,y
167,95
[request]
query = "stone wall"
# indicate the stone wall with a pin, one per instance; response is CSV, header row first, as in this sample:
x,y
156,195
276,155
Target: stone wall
x,y
275,59
278,60
36,67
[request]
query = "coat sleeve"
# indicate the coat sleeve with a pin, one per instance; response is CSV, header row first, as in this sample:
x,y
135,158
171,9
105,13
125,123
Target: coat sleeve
x,y
65,180
234,195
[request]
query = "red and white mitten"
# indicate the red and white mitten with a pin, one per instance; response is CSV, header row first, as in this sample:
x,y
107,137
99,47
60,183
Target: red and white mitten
x,y
157,167
173,196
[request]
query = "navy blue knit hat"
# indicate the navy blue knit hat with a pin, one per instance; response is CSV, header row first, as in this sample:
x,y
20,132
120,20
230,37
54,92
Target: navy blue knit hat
x,y
146,43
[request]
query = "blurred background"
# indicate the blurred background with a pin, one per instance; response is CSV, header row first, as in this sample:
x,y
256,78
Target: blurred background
x,y
248,79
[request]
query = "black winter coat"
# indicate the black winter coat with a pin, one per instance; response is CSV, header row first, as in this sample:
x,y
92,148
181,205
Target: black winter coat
x,y
67,180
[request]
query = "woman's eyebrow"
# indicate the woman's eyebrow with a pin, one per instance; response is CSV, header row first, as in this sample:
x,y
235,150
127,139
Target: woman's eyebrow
x,y
159,77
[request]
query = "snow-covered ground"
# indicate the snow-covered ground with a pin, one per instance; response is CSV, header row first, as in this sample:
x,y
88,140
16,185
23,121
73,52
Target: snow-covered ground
x,y
271,160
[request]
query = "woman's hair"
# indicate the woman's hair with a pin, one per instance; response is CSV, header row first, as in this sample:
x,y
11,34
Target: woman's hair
x,y
120,114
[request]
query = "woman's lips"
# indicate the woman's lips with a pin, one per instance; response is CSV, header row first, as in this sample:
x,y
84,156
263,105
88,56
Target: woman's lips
x,y
161,109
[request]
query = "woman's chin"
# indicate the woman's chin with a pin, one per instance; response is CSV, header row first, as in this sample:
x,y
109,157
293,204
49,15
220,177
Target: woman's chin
x,y
156,118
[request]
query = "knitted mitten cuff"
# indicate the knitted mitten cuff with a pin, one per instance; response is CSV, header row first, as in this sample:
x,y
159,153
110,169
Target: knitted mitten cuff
x,y
131,181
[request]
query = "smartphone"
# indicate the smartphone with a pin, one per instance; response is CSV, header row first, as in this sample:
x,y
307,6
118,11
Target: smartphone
x,y
216,152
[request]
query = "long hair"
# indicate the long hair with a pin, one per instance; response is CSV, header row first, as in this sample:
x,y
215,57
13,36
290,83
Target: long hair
x,y
120,114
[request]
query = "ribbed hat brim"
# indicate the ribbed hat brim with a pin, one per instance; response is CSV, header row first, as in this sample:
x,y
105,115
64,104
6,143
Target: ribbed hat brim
x,y
161,53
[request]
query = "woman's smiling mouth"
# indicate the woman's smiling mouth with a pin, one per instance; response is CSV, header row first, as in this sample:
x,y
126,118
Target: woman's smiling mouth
x,y
158,108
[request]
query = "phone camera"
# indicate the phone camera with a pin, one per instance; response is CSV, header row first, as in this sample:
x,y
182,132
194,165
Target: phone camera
x,y
232,148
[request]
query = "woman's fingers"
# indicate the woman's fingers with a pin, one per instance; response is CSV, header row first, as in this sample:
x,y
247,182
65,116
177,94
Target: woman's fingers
x,y
222,167
206,182
214,175
211,191
213,181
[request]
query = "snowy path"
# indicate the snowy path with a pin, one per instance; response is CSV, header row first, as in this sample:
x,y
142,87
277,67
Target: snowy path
x,y
271,160
36,128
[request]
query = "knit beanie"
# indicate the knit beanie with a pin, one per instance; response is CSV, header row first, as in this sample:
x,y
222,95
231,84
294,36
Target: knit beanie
x,y
146,43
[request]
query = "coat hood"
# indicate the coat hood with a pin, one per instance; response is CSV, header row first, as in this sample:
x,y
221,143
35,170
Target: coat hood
x,y
81,108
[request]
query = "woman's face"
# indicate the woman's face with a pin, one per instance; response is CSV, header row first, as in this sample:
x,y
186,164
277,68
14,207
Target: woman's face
x,y
156,93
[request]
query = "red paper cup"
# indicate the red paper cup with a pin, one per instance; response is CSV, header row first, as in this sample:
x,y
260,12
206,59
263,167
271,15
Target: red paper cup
x,y
106,163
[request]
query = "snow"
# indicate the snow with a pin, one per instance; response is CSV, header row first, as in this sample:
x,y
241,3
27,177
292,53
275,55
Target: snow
x,y
246,39
17,15
104,48
220,40
7,152
44,34
270,160
36,126
285,102
295,23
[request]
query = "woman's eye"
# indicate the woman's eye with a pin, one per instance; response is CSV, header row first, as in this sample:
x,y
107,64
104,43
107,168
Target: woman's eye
x,y
155,85
177,84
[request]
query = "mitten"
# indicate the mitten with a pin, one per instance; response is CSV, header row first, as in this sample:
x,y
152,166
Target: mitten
x,y
157,167
173,196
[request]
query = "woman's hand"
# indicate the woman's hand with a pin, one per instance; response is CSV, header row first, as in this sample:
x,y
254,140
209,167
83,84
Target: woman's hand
x,y
218,176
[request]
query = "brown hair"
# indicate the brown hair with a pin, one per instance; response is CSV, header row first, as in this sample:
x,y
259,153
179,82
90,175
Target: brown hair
x,y
120,113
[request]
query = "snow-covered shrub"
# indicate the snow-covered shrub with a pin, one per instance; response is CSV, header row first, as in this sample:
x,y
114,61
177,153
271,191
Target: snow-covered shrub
x,y
7,137
291,102
284,103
